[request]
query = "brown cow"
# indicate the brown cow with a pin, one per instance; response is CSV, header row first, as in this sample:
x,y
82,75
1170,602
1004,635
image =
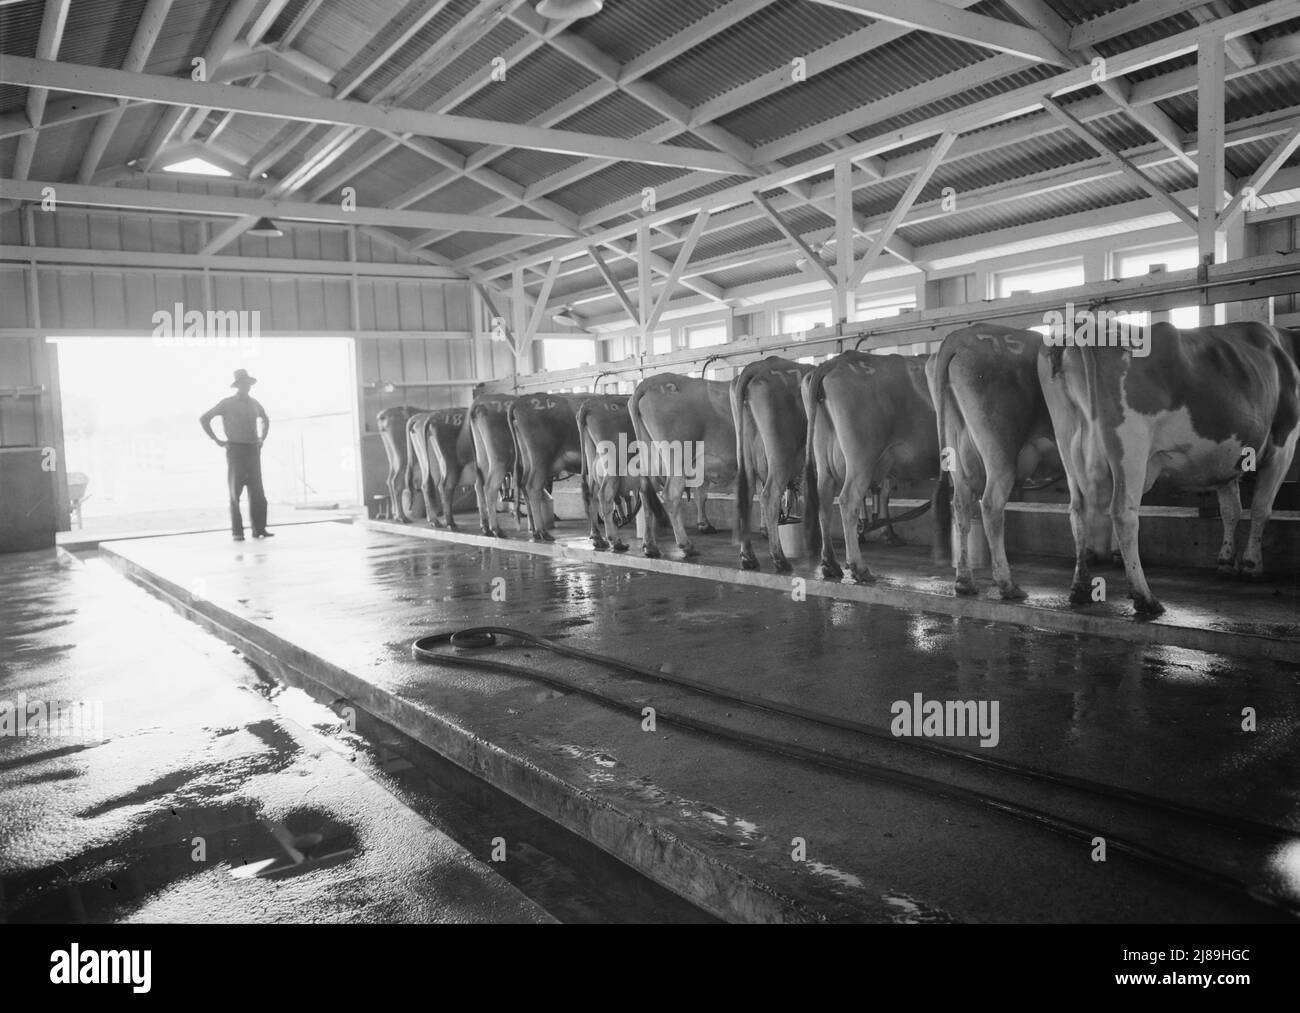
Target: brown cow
x,y
994,432
870,420
684,425
443,448
545,432
1200,407
392,431
610,492
494,456
768,415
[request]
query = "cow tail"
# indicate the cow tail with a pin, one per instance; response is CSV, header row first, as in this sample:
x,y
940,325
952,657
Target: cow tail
x,y
649,494
517,476
412,459
942,388
812,529
581,419
740,525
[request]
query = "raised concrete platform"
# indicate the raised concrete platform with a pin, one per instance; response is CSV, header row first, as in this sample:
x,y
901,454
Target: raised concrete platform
x,y
1204,612
715,816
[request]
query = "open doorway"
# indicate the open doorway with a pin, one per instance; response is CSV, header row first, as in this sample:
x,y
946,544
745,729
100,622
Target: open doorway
x,y
130,427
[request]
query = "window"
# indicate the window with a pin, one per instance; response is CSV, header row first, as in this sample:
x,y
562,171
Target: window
x,y
567,353
661,342
1174,257
888,304
705,335
196,166
1039,279
803,318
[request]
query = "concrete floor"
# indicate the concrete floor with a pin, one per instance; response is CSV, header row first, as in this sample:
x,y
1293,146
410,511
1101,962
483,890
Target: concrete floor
x,y
206,800
715,820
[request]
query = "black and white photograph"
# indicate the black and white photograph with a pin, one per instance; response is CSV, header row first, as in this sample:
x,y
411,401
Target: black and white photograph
x,y
650,462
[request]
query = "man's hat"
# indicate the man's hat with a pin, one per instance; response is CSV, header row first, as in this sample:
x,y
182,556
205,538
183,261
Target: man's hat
x,y
242,377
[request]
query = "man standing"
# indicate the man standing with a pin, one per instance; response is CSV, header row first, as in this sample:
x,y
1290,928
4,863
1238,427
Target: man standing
x,y
239,415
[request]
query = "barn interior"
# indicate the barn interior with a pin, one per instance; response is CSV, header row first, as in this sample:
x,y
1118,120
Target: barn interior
x,y
399,206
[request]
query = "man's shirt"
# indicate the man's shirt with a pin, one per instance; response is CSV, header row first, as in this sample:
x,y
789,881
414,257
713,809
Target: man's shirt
x,y
239,417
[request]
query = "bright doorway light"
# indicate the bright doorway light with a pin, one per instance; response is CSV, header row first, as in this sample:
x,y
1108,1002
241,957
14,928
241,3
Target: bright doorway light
x,y
196,166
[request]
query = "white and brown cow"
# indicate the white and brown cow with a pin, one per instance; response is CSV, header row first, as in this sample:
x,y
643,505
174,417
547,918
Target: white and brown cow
x,y
870,420
685,426
994,433
610,491
546,448
392,432
494,456
1202,408
768,415
442,448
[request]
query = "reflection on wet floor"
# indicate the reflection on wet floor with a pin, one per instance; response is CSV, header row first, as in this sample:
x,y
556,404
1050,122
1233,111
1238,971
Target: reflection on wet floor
x,y
205,802
107,882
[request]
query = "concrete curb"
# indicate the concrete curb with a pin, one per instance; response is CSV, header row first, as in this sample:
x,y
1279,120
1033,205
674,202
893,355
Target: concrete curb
x,y
689,871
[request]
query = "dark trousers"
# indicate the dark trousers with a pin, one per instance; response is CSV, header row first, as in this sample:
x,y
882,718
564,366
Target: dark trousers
x,y
244,469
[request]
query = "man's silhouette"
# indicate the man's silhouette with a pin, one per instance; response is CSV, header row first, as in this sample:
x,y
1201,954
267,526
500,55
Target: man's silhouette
x,y
239,414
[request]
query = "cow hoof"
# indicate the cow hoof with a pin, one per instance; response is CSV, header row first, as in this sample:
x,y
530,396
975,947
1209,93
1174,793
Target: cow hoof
x,y
1147,607
620,546
1080,594
1227,569
861,575
651,552
830,571
966,588
706,529
782,565
689,551
599,543
748,563
1250,570
894,540
1011,592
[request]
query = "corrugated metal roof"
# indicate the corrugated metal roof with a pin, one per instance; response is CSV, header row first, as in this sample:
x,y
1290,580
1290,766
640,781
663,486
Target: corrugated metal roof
x,y
758,45
627,28
346,35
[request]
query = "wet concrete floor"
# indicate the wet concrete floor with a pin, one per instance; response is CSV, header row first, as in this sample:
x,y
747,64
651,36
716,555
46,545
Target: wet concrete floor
x,y
1156,719
190,787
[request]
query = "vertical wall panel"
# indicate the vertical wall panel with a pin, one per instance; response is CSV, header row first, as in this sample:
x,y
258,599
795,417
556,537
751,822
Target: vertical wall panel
x,y
13,297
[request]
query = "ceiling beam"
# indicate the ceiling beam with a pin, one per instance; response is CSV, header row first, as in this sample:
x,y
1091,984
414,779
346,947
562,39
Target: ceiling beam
x,y
134,197
146,34
1048,181
933,160
784,228
683,258
984,112
1259,179
610,78
953,23
603,270
223,36
1128,19
53,20
1127,168
182,92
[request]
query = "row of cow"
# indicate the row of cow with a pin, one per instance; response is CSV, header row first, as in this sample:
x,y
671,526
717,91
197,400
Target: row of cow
x,y
992,408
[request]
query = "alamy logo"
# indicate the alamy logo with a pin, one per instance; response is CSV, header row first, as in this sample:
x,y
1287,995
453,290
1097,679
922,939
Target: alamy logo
x,y
1085,328
75,966
666,459
68,719
181,328
946,718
